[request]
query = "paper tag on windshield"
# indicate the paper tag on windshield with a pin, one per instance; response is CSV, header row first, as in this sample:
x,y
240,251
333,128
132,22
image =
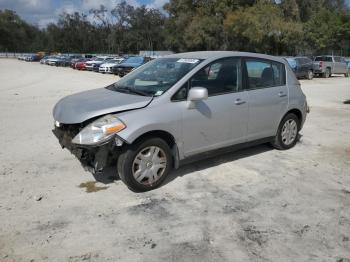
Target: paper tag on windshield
x,y
189,61
158,93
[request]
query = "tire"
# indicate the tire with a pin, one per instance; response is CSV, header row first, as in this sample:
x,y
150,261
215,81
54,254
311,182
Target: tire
x,y
280,141
347,74
136,160
327,73
310,75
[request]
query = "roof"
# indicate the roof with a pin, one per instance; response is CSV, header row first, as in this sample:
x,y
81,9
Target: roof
x,y
221,54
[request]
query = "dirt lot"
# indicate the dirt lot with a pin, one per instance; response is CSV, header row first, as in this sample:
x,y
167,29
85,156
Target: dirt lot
x,y
257,204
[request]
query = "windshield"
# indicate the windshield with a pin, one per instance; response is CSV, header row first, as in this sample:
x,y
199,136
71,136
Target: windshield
x,y
134,59
156,77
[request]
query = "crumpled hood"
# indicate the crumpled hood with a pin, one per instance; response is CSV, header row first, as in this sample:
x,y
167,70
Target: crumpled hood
x,y
82,106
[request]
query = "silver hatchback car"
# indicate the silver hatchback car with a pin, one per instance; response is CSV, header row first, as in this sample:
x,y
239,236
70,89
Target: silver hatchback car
x,y
174,108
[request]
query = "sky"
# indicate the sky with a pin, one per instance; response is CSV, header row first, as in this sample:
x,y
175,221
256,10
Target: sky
x,y
43,12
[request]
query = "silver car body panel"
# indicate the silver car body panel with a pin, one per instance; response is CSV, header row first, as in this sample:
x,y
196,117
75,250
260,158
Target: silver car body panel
x,y
83,106
213,123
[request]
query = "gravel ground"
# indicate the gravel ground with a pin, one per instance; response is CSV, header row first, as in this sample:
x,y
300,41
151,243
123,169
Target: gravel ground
x,y
256,204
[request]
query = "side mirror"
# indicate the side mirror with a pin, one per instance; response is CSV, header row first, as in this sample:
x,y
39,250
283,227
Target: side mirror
x,y
197,94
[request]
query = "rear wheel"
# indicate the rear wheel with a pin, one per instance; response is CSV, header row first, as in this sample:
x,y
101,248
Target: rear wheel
x,y
287,134
310,75
144,165
327,73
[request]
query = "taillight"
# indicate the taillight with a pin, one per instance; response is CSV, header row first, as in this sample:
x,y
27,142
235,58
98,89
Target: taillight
x,y
321,64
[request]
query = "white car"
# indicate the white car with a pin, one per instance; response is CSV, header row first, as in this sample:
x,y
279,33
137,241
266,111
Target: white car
x,y
98,60
107,67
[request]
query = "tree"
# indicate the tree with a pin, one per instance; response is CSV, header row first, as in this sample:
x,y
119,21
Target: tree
x,y
16,34
262,28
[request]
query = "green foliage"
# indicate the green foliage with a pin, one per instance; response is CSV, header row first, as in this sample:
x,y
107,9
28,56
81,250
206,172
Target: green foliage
x,y
262,28
15,34
277,27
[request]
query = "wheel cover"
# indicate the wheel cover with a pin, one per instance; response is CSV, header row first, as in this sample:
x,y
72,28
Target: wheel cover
x,y
289,132
149,165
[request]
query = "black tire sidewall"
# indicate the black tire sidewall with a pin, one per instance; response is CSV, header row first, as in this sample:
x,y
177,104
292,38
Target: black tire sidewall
x,y
279,133
310,76
126,159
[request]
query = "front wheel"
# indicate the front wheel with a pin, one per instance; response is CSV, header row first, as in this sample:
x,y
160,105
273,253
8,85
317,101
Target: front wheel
x,y
144,165
287,134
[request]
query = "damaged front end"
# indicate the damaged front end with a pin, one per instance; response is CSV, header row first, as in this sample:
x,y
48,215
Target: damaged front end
x,y
92,157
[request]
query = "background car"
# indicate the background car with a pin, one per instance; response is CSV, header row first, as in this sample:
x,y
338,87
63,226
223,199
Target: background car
x,y
82,64
95,63
301,66
64,61
129,64
77,60
107,67
44,59
327,65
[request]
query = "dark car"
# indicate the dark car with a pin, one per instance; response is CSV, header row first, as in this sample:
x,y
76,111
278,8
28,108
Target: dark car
x,y
129,64
301,66
64,61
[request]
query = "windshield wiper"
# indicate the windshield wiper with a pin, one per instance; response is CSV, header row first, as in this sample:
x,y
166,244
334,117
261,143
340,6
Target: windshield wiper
x,y
131,90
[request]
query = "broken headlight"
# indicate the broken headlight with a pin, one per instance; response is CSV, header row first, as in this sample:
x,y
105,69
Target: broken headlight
x,y
99,131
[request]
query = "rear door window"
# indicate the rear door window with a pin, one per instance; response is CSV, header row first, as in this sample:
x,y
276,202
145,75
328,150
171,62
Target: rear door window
x,y
337,59
264,73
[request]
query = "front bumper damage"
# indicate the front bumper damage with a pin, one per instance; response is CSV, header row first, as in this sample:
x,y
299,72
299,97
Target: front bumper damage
x,y
92,158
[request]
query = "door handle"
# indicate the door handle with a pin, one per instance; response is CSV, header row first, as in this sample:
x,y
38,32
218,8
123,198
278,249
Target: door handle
x,y
281,94
239,101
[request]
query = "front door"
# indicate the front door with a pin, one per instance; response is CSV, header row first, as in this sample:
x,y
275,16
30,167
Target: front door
x,y
220,120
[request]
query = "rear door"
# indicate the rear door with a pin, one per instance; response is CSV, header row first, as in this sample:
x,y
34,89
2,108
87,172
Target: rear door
x,y
220,120
265,82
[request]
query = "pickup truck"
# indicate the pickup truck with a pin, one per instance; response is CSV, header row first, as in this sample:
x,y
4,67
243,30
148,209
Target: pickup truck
x,y
328,65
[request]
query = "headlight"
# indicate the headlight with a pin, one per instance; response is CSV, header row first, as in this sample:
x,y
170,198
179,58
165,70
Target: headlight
x,y
99,131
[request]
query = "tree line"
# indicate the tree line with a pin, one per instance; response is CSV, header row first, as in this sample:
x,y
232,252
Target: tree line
x,y
284,27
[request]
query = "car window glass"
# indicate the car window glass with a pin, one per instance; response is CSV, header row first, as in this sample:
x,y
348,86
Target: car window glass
x,y
263,74
156,77
134,59
336,59
220,77
307,60
181,94
278,74
324,58
292,62
260,74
